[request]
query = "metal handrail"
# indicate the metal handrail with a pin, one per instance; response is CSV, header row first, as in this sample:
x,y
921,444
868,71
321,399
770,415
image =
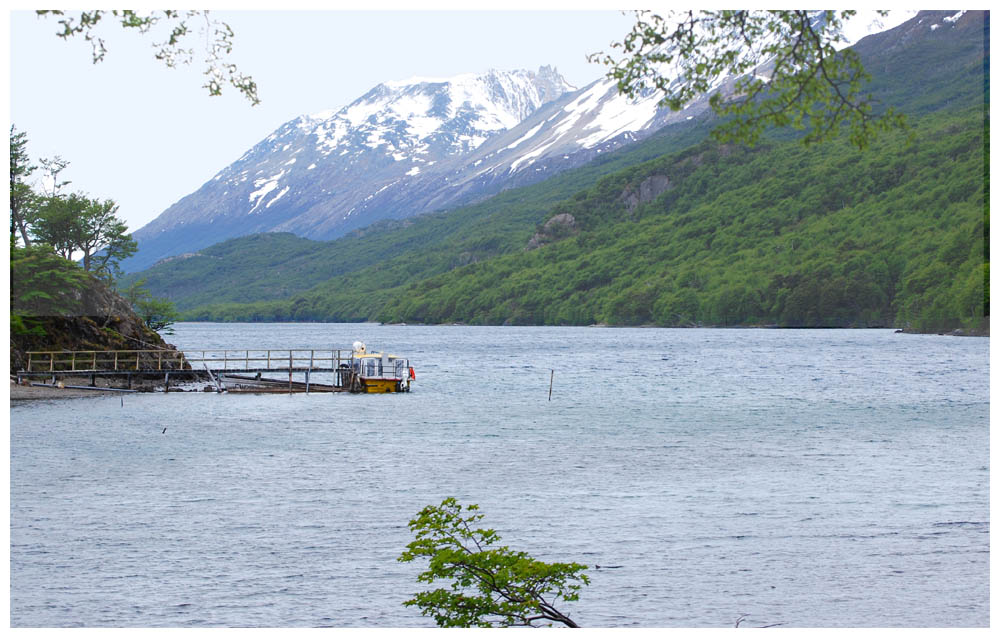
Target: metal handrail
x,y
124,360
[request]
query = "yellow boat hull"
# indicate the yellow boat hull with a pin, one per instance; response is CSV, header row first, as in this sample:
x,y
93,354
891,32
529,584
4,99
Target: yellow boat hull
x,y
374,386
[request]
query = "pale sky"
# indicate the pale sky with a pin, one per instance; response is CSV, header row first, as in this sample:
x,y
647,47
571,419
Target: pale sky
x,y
146,136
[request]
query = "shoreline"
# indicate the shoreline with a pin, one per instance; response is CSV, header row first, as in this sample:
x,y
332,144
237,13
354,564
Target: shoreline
x,y
34,393
956,332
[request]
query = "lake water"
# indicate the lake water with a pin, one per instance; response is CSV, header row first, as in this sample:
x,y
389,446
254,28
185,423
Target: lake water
x,y
813,478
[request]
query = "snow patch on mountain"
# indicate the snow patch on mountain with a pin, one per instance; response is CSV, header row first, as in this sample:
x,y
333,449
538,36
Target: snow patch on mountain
x,y
618,115
278,196
525,137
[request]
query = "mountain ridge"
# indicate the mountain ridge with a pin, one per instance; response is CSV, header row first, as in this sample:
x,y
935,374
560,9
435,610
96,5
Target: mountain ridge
x,y
343,159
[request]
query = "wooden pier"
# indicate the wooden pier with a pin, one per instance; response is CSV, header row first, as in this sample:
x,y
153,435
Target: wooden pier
x,y
222,370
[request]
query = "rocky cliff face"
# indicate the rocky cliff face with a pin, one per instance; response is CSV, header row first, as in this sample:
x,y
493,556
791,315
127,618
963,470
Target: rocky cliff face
x,y
557,227
648,190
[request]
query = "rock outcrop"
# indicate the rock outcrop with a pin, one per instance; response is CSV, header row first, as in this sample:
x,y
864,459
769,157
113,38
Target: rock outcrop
x,y
648,190
557,227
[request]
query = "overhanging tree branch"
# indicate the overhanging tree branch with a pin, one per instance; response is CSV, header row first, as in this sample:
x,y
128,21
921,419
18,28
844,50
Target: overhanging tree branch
x,y
218,45
811,86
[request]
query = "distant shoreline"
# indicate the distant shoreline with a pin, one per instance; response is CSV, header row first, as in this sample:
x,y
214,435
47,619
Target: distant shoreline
x,y
957,332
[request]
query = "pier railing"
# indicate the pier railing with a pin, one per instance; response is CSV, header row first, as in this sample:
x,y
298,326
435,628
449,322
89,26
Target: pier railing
x,y
261,360
166,360
104,360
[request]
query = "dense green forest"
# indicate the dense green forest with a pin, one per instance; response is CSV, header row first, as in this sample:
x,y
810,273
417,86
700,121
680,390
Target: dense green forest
x,y
780,234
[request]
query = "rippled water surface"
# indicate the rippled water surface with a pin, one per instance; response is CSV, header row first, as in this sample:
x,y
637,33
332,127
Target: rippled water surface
x,y
813,478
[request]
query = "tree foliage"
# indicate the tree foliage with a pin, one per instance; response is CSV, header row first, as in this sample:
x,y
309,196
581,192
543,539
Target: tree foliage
x,y
78,224
22,196
491,586
787,70
44,284
55,222
73,225
53,167
157,313
176,30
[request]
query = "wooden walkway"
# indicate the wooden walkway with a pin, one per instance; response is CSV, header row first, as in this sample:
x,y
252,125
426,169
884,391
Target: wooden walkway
x,y
225,370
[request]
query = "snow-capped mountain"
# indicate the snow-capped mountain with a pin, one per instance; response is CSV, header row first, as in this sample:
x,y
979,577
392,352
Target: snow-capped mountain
x,y
406,148
316,174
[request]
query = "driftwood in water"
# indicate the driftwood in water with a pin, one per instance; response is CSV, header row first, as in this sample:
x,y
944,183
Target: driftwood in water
x,y
218,384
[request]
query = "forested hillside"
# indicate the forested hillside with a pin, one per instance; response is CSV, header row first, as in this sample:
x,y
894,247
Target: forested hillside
x,y
780,234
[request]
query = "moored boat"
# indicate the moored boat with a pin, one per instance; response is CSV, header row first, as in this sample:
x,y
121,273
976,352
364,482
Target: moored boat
x,y
377,372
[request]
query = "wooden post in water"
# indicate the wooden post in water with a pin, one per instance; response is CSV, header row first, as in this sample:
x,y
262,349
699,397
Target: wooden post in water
x,y
289,372
311,354
551,377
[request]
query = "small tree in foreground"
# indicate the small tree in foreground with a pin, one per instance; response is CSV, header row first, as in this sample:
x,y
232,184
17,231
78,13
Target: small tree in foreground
x,y
490,586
